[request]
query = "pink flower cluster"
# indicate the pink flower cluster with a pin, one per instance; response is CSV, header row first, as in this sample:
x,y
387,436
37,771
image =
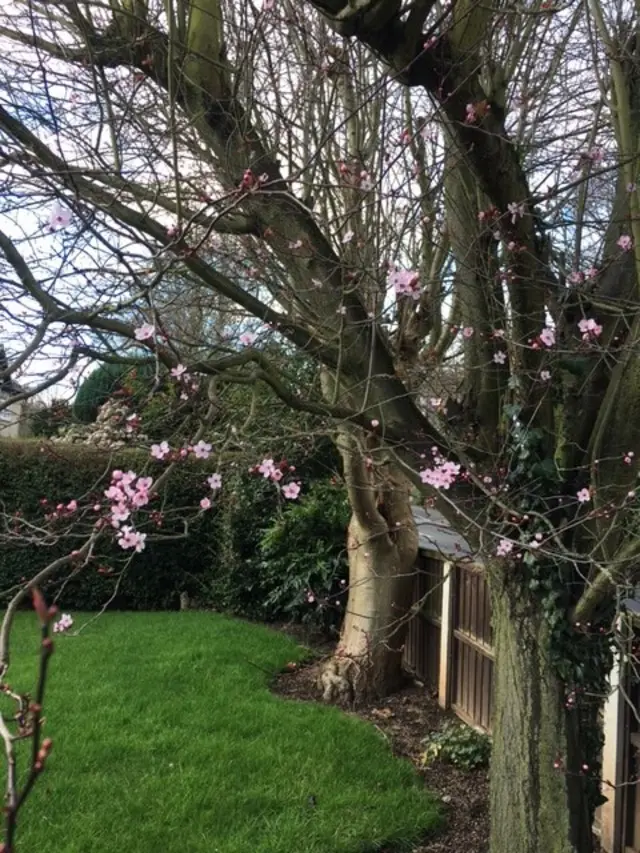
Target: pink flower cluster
x,y
548,337
505,547
63,624
590,329
442,475
271,470
405,283
128,492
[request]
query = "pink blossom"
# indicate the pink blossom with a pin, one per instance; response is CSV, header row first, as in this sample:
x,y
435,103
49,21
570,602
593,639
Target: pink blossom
x,y
505,546
468,332
247,339
584,495
139,499
471,115
548,337
114,493
375,423
405,282
130,538
291,491
205,503
201,450
172,231
145,332
60,217
576,277
215,481
500,357
119,513
266,468
63,624
72,506
625,242
589,328
144,483
178,371
545,375
442,475
128,478
276,475
498,333
159,451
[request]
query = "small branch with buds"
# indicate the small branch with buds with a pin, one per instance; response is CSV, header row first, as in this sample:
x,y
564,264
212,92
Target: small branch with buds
x,y
28,719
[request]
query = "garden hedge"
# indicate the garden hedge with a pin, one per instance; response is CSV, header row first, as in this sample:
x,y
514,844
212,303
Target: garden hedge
x,y
234,558
31,471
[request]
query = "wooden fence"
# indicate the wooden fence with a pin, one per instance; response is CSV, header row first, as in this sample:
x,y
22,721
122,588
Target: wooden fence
x,y
448,642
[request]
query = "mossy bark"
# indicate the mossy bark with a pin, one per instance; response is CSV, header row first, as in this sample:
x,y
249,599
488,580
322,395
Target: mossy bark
x,y
538,789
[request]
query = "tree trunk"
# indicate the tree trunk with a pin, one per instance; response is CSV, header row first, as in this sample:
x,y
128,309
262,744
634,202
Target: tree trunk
x,y
538,784
382,545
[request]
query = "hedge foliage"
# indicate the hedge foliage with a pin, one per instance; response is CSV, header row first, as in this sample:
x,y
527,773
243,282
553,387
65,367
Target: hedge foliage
x,y
253,554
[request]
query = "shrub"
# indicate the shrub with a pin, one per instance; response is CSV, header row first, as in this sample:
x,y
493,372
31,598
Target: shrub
x,y
107,379
303,560
459,745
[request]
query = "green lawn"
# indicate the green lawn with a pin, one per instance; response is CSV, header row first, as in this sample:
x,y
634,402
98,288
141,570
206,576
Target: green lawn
x,y
166,738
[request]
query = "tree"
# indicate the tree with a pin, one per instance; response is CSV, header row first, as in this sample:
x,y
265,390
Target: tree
x,y
417,197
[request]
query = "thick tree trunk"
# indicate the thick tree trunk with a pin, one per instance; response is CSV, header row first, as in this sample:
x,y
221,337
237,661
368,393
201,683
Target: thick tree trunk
x,y
382,545
368,660
538,786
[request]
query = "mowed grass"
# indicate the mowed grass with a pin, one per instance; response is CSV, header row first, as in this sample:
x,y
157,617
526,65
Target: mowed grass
x,y
167,738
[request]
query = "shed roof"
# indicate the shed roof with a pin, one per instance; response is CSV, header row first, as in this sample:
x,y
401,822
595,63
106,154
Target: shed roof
x,y
435,534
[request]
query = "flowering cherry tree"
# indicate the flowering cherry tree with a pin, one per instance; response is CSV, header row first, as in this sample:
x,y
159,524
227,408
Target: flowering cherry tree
x,y
421,199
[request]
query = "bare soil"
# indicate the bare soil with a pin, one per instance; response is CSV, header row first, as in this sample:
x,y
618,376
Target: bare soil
x,y
405,719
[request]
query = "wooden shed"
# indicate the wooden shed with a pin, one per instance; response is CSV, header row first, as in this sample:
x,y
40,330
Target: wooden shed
x,y
448,643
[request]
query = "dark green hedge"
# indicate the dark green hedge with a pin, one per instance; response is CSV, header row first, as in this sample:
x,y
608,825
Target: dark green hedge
x,y
234,558
31,471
